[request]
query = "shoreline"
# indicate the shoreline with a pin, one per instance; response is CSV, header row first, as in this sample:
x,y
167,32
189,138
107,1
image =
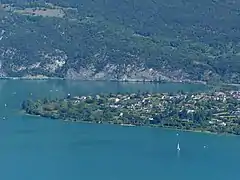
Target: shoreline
x,y
132,125
104,80
119,80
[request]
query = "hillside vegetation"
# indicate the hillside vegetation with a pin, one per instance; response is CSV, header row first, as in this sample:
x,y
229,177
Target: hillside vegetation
x,y
177,40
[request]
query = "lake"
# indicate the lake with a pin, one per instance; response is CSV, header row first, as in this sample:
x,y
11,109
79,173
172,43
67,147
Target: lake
x,y
43,149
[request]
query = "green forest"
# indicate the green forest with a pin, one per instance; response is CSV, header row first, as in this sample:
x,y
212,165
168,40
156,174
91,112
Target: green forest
x,y
197,40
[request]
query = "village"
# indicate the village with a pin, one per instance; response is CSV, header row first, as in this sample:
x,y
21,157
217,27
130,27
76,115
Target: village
x,y
215,112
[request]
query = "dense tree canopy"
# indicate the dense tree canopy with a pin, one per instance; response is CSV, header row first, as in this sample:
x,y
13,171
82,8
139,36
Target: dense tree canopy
x,y
198,39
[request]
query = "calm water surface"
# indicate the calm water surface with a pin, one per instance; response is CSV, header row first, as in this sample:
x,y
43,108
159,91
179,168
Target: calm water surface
x,y
33,148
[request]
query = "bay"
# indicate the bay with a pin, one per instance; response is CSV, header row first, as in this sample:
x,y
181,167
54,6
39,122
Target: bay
x,y
38,148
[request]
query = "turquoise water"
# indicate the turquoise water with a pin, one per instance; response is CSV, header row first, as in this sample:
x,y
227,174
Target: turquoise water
x,y
43,149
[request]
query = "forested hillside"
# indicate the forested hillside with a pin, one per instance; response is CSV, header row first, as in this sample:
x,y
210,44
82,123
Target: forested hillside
x,y
178,40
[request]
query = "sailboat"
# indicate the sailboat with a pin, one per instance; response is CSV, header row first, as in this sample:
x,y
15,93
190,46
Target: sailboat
x,y
178,147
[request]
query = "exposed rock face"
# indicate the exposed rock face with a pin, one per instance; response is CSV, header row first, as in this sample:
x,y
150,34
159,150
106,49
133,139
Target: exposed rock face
x,y
123,73
52,62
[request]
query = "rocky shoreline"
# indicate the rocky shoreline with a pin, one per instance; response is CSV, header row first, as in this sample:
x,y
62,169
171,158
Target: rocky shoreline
x,y
113,80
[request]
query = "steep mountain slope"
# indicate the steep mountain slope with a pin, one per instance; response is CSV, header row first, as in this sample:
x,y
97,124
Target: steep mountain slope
x,y
122,40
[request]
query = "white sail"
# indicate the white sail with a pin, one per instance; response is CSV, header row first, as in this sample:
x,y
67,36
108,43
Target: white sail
x,y
178,147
